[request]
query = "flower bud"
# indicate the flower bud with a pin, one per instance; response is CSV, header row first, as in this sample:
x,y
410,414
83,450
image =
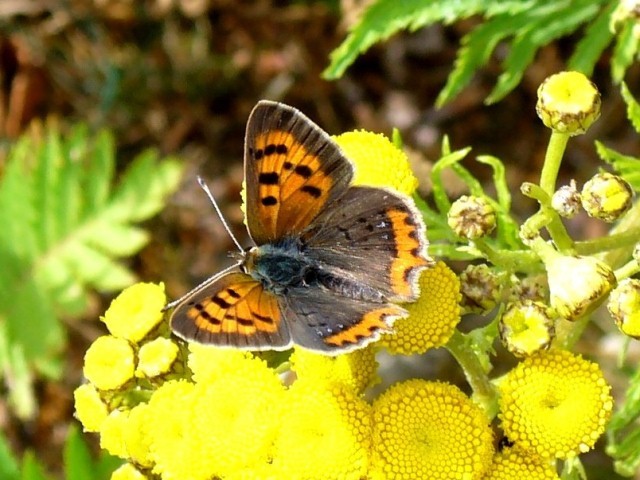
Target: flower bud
x,y
577,285
526,327
566,200
480,288
606,196
471,217
636,253
530,288
568,102
624,306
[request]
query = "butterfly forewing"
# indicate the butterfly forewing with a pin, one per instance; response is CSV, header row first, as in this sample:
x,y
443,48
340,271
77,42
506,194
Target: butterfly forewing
x,y
235,311
293,171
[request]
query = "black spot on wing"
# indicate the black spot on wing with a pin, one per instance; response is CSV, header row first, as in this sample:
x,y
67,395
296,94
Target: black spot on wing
x,y
315,192
268,178
269,201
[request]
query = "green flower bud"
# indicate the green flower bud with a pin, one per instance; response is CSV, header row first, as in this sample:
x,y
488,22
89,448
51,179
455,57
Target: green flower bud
x,y
480,288
526,327
471,217
624,306
533,288
568,102
566,200
606,196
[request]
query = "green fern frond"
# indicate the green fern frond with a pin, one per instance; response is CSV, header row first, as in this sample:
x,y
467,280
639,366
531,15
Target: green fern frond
x,y
65,229
633,107
523,26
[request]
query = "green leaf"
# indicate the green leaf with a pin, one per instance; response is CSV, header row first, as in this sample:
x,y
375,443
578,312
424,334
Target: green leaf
x,y
65,229
9,468
627,167
386,17
590,47
78,464
625,50
633,108
32,469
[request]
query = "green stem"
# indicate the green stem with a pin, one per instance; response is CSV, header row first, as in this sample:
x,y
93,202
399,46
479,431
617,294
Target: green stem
x,y
524,261
552,160
611,242
627,271
465,355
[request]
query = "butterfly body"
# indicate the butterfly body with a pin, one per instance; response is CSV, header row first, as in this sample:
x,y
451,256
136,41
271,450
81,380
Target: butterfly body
x,y
330,261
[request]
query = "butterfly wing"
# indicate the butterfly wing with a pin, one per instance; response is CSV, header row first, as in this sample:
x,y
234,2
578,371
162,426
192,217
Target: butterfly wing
x,y
371,237
327,322
233,310
293,169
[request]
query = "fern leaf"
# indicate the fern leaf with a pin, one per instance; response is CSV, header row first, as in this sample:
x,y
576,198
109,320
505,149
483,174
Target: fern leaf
x,y
633,108
627,167
590,47
625,50
66,230
386,17
547,23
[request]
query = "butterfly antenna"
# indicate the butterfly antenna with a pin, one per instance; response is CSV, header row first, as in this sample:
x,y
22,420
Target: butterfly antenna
x,y
205,187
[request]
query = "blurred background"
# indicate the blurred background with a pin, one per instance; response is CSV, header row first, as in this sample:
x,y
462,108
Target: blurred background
x,y
180,77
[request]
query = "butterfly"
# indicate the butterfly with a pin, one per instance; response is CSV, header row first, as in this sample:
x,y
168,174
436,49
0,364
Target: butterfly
x,y
331,260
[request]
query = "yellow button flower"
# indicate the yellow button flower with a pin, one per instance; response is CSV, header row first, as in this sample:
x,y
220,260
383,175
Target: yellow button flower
x,y
112,433
357,369
237,415
379,163
513,463
208,363
136,437
91,411
135,311
109,362
624,306
432,318
156,357
429,430
555,403
324,433
127,472
526,327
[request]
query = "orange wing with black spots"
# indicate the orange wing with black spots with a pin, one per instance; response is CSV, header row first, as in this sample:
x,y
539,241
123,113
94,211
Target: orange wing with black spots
x,y
234,310
293,170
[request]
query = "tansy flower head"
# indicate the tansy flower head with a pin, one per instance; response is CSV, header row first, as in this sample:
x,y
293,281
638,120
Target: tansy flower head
x,y
624,306
237,415
555,403
356,369
324,433
526,327
208,363
472,217
127,472
156,357
480,287
91,411
135,311
512,463
112,433
606,196
109,362
379,163
432,318
429,430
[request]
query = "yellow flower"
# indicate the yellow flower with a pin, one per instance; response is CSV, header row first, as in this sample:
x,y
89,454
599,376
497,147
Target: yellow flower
x,y
606,196
568,102
176,452
379,163
156,357
526,327
324,433
90,409
429,430
136,436
432,318
555,403
237,415
135,311
112,433
513,462
357,369
624,306
127,472
108,363
208,363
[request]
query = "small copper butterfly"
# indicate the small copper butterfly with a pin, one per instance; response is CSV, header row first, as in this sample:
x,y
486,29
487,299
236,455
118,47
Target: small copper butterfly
x,y
330,259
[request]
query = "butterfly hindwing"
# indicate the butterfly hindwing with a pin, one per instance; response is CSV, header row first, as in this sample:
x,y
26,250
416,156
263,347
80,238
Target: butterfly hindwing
x,y
235,311
374,237
330,323
293,169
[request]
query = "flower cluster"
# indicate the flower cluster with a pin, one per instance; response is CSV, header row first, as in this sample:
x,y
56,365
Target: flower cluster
x,y
227,414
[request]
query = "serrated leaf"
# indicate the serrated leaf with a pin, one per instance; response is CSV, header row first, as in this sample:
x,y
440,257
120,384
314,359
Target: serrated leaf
x,y
60,235
633,108
386,17
590,47
627,167
625,50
